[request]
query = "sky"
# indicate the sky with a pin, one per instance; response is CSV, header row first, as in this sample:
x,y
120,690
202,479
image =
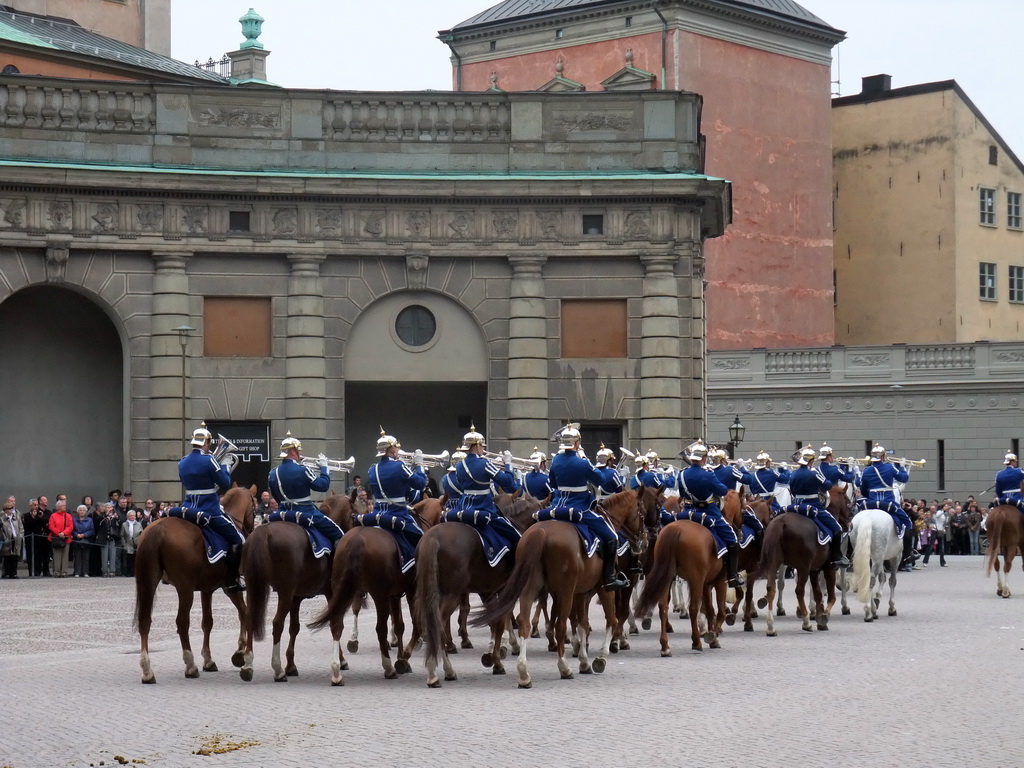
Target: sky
x,y
392,45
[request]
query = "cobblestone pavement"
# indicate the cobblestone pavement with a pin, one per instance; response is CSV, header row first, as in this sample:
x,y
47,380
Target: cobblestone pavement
x,y
926,688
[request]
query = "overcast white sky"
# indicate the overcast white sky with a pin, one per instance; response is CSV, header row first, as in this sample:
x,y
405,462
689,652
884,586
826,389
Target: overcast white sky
x,y
392,45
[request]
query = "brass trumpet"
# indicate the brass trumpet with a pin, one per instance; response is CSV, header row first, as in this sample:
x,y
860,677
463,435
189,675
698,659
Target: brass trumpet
x,y
911,462
224,453
524,465
334,465
428,459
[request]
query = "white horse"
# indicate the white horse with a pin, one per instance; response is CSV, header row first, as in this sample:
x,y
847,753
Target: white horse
x,y
875,543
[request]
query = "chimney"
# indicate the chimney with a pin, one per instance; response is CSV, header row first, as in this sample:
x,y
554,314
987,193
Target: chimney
x,y
873,85
249,62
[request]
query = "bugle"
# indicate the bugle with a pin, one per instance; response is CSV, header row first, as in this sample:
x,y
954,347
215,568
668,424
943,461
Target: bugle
x,y
524,465
426,459
911,462
225,454
334,465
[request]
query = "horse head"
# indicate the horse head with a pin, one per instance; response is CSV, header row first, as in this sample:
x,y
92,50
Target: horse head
x,y
624,510
839,506
240,505
338,507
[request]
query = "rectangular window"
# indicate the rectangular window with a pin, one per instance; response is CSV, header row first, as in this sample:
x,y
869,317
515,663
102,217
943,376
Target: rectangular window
x,y
238,221
593,436
987,281
594,328
987,203
993,154
559,33
236,326
629,21
1013,210
1016,283
593,223
1015,446
868,445
941,450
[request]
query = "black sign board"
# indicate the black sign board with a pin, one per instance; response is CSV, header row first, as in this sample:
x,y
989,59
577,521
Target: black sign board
x,y
252,438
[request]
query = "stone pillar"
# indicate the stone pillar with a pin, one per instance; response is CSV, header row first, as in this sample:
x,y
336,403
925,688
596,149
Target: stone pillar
x,y
660,370
527,356
693,333
170,310
306,388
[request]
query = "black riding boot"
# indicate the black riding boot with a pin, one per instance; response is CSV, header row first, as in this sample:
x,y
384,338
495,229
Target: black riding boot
x,y
732,554
609,578
836,551
232,580
908,549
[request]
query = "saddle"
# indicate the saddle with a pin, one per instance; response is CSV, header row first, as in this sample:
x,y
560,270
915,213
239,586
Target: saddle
x,y
216,545
573,516
319,543
809,510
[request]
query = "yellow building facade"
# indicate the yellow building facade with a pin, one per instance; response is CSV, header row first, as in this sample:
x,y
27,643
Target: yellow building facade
x,y
929,243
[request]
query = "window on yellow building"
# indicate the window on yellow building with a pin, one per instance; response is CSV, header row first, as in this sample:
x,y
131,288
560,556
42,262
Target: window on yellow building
x,y
987,200
987,281
1016,282
1013,210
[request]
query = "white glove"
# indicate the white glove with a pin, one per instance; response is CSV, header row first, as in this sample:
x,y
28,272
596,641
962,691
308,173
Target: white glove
x,y
321,461
507,457
418,457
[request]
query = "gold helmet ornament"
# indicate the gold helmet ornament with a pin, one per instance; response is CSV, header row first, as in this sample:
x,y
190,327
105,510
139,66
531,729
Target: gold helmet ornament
x,y
878,453
604,454
825,452
807,455
569,435
538,455
288,444
472,438
386,441
763,459
201,435
698,452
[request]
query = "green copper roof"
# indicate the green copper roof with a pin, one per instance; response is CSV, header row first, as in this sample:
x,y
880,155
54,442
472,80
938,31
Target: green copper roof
x,y
15,35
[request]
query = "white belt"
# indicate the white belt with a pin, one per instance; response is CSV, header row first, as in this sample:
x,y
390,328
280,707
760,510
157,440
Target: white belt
x,y
394,501
765,496
574,489
205,492
883,489
602,494
477,493
805,496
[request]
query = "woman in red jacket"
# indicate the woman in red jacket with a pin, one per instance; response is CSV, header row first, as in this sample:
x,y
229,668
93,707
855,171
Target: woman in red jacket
x,y
61,525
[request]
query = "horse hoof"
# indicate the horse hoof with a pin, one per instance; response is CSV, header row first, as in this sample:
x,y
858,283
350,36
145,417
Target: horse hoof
x,y
433,683
599,665
892,611
666,653
623,645
668,629
868,619
451,677
149,680
586,670
613,648
877,601
534,633
392,675
353,646
772,632
192,674
708,637
451,650
846,611
748,627
487,659
730,619
780,612
237,659
527,684
403,667
807,629
467,644
503,652
344,666
762,603
715,644
646,624
552,646
281,679
567,676
210,667
245,674
291,671
697,647
753,614
337,683
823,627
498,671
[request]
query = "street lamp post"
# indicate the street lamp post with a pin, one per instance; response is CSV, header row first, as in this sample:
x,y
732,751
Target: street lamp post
x,y
183,333
736,433
895,413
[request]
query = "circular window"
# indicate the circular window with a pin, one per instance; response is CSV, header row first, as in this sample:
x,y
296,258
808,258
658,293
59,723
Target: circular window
x,y
415,325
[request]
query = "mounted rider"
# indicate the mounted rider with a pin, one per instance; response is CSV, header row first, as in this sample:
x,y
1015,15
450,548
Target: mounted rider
x,y
700,491
611,480
570,475
666,477
203,480
450,483
837,473
393,484
644,474
536,482
806,485
477,476
292,482
762,481
1008,484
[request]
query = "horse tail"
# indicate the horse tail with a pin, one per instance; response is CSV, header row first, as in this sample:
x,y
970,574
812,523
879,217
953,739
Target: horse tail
x,y
148,568
663,570
771,551
348,586
427,606
529,560
864,528
256,564
994,532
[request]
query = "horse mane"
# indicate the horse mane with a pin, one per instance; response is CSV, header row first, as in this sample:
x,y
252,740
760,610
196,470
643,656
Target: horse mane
x,y
338,507
243,516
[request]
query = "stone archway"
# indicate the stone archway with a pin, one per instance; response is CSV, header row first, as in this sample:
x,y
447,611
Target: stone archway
x,y
416,363
62,409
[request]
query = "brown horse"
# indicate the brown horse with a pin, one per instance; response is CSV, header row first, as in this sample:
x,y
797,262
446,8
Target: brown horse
x,y
1005,531
550,556
172,549
748,561
636,563
278,556
792,539
366,562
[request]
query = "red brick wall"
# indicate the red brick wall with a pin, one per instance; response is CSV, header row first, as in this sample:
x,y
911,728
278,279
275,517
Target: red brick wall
x,y
767,122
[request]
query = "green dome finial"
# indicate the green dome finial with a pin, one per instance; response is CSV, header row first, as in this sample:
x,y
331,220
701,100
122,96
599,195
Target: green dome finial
x,y
252,26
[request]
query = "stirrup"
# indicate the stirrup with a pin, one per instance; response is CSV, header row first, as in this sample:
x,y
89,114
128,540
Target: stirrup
x,y
617,582
736,581
238,586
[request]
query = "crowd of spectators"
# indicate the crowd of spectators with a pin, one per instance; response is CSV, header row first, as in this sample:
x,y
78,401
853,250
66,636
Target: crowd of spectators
x,y
946,527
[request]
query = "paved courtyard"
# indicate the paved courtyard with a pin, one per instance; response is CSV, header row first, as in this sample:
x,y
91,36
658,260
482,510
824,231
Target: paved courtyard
x,y
939,685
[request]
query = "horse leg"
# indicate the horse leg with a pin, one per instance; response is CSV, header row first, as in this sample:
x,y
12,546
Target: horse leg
x,y
353,640
284,606
464,622
801,603
534,629
610,627
524,632
580,632
145,590
893,567
720,614
769,604
696,593
383,641
748,608
821,609
402,655
513,636
631,614
206,601
561,607
1007,565
844,587
238,600
185,598
781,583
337,660
663,615
294,625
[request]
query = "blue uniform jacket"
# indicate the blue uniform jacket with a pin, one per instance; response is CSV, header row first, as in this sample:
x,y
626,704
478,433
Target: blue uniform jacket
x,y
834,473
647,477
450,485
1008,482
203,479
537,484
698,485
610,483
761,482
474,474
728,476
569,476
666,478
392,483
291,484
805,484
876,482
